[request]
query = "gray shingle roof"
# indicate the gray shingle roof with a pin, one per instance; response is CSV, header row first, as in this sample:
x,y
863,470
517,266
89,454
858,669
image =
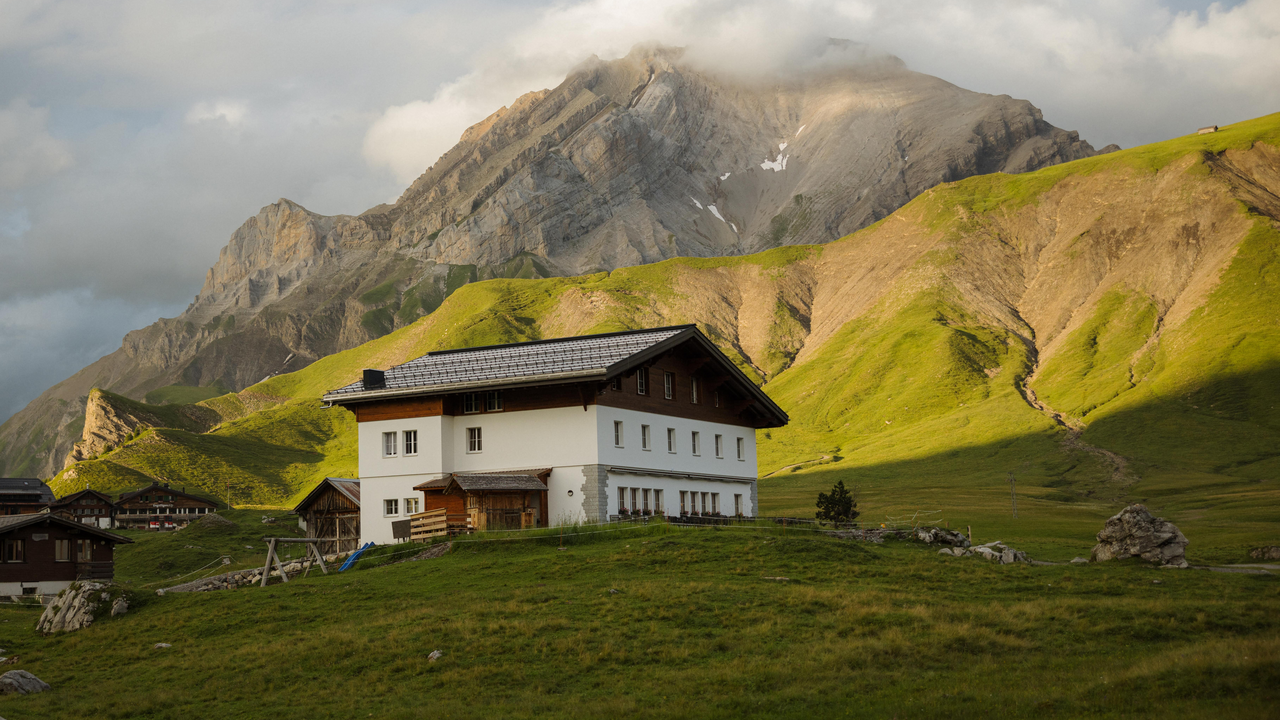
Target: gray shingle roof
x,y
482,366
473,482
13,522
26,486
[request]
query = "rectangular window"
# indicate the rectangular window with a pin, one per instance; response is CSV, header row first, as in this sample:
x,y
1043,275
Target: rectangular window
x,y
742,454
737,504
720,446
644,437
693,390
622,499
716,397
475,442
657,502
15,550
645,496
84,551
715,503
388,444
642,381
62,550
704,502
694,437
671,440
617,433
668,385
411,506
390,507
410,442
493,401
635,499
684,494
615,384
471,403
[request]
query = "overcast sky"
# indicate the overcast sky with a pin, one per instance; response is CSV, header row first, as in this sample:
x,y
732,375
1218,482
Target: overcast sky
x,y
136,135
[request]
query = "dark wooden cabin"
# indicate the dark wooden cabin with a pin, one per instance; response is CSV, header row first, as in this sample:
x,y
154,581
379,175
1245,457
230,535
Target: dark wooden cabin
x,y
160,507
43,553
87,506
332,510
23,495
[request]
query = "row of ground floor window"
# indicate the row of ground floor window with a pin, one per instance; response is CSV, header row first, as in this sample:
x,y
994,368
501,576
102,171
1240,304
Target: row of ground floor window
x,y
646,501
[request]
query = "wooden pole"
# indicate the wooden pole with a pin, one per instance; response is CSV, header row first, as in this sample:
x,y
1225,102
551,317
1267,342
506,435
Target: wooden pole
x,y
266,569
1013,492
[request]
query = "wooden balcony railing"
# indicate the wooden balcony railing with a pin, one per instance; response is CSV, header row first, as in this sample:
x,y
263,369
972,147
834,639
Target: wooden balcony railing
x,y
95,570
436,523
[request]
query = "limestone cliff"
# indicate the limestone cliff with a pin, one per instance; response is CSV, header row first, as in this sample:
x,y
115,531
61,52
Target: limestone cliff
x,y
112,419
626,162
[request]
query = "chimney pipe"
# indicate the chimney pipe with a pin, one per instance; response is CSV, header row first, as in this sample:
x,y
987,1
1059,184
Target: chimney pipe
x,y
374,379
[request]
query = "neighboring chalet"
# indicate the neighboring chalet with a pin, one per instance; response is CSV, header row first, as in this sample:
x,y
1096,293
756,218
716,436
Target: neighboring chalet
x,y
160,507
87,506
654,422
44,553
23,495
332,511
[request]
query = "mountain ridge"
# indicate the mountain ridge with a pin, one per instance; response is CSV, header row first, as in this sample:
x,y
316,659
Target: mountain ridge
x,y
1133,293
627,162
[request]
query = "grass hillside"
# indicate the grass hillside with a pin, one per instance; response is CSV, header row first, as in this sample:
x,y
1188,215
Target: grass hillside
x,y
1132,293
664,622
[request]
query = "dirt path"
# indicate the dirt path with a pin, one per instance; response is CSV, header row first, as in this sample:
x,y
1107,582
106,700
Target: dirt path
x,y
1120,472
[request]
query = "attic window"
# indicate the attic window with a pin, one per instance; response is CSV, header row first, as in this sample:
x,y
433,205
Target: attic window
x,y
471,403
693,390
642,381
669,385
615,384
493,401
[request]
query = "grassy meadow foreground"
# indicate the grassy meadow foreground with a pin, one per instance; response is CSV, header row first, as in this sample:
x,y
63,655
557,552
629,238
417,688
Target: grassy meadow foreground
x,y
699,626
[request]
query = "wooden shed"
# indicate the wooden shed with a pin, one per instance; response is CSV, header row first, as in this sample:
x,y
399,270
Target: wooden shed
x,y
332,511
464,502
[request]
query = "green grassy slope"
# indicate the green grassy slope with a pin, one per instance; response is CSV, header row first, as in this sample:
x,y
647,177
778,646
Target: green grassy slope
x,y
696,628
915,401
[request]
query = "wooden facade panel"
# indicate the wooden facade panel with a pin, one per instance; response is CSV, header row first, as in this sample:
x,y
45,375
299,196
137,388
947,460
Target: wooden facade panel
x,y
399,408
681,405
40,562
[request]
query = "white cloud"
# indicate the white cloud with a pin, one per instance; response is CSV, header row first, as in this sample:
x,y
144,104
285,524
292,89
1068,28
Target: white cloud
x,y
231,112
28,153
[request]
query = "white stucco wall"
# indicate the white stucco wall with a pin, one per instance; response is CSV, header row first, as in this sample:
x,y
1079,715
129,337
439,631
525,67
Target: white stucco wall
x,y
45,587
631,454
565,439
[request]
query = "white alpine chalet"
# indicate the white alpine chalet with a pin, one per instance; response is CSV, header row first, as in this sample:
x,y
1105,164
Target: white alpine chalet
x,y
649,422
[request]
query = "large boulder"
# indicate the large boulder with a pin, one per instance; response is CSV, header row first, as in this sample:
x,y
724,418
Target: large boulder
x,y
21,682
1135,532
77,606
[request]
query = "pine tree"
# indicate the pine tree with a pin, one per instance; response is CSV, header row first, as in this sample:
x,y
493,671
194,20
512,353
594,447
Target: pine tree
x,y
839,506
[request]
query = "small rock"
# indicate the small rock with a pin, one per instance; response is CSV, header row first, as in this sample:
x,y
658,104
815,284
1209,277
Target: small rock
x,y
21,682
161,645
1157,582
1079,561
434,656
119,607
613,591
1266,553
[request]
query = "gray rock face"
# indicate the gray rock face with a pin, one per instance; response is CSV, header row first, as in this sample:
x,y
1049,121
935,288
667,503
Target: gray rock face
x,y
1265,553
1135,532
79,605
21,682
626,162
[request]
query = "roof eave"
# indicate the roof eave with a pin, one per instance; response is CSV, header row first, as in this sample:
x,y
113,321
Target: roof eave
x,y
523,381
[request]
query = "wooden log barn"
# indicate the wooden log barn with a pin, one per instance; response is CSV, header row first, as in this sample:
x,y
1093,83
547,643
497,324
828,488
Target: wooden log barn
x,y
331,511
467,502
43,553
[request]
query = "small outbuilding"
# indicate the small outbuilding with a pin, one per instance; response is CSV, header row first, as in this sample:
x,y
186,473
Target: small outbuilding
x,y
23,495
43,553
462,502
331,511
1207,130
89,507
